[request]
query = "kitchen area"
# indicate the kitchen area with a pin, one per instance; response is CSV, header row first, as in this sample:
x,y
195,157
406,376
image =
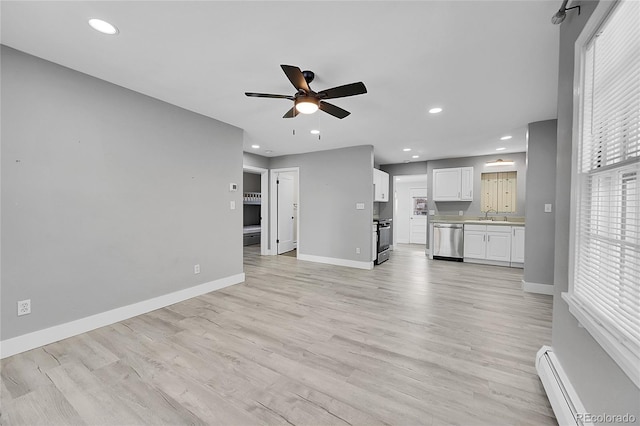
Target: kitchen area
x,y
475,208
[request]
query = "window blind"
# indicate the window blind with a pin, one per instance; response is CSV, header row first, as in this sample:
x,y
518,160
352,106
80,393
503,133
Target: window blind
x,y
607,240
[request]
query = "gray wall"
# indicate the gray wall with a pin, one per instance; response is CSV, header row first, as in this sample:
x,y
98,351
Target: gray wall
x,y
109,197
251,182
541,179
472,208
331,183
254,160
602,386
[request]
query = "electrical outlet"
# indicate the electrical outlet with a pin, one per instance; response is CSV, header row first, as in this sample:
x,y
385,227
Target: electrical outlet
x,y
24,307
460,213
357,250
196,269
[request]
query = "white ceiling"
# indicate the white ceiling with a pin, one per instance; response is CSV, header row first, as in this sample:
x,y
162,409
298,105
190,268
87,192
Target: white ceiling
x,y
492,66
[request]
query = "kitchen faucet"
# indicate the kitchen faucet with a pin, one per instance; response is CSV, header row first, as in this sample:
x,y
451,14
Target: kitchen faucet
x,y
486,214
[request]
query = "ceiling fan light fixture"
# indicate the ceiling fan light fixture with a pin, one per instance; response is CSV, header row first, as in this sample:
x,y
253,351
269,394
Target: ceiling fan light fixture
x,y
307,105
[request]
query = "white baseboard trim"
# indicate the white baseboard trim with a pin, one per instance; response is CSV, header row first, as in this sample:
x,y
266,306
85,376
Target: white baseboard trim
x,y
486,262
335,261
564,399
537,288
40,338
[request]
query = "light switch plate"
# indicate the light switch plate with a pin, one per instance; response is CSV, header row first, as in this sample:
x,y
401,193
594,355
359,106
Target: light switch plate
x,y
359,206
232,205
547,208
233,187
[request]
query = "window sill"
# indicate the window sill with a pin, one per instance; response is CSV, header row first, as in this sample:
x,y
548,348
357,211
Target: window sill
x,y
623,356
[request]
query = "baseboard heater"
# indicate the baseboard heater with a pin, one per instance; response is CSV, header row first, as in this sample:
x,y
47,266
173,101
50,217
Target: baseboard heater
x,y
563,398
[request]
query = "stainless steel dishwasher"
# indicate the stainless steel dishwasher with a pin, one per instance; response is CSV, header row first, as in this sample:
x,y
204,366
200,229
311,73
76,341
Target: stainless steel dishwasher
x,y
448,241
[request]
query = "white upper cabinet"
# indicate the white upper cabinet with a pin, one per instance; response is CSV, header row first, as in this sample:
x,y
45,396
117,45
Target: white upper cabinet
x,y
454,184
380,185
466,183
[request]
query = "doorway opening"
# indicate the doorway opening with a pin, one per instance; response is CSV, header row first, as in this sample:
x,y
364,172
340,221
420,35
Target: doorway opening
x,y
410,209
255,187
285,211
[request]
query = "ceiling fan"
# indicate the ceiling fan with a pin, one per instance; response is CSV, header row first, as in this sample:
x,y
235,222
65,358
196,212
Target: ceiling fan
x,y
306,101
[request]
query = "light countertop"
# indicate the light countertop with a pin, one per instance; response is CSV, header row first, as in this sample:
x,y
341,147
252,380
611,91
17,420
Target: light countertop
x,y
511,221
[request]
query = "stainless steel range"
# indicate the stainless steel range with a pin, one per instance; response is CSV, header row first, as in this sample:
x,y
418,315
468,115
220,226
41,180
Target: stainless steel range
x,y
384,240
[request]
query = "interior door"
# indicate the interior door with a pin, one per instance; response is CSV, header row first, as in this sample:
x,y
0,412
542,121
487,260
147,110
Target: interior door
x,y
418,220
286,214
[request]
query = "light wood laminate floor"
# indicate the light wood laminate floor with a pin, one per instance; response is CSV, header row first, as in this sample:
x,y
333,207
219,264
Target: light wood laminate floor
x,y
410,342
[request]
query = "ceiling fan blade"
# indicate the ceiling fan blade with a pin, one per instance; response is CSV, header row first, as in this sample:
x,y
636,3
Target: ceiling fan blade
x,y
333,110
267,95
343,91
295,77
291,113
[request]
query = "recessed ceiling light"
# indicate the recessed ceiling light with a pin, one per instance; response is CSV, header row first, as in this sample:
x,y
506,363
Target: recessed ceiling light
x,y
435,110
506,138
315,132
406,149
501,148
255,146
415,156
103,26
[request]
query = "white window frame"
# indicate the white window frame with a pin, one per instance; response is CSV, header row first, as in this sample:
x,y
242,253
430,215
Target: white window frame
x,y
626,359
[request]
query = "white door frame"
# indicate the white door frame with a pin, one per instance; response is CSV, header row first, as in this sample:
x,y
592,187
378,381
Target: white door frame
x,y
274,205
264,207
395,198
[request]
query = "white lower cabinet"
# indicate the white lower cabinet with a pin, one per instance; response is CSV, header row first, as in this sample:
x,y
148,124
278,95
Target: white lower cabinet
x,y
499,244
475,243
517,246
491,244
